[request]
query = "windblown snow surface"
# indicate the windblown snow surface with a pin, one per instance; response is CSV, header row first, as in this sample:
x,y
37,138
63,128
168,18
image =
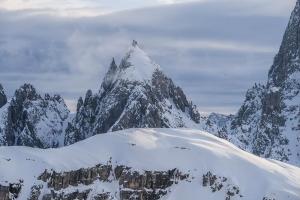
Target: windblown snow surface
x,y
190,151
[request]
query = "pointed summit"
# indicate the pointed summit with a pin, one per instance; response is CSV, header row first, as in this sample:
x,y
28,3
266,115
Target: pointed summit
x,y
110,75
137,94
287,59
136,65
134,43
26,92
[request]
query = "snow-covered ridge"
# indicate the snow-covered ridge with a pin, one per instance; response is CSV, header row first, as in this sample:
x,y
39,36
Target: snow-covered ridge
x,y
191,152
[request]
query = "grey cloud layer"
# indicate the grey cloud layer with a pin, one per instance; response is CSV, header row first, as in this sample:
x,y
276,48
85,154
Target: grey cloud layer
x,y
209,49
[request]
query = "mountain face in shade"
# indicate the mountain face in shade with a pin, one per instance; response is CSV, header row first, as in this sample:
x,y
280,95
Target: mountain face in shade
x,y
3,98
268,122
135,94
31,120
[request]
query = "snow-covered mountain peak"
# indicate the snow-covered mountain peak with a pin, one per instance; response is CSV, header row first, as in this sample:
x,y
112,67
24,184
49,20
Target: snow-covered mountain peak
x,y
136,65
135,94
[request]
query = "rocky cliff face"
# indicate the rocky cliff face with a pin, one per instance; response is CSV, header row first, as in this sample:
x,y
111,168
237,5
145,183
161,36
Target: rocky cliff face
x,y
134,94
11,191
3,98
129,184
268,123
32,120
216,124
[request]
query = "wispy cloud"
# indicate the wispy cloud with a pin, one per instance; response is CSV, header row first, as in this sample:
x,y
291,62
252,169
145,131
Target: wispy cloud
x,y
214,62
99,7
219,45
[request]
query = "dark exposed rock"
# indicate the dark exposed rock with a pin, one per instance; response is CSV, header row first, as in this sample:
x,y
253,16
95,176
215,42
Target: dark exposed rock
x,y
59,181
268,198
57,195
79,104
216,124
103,196
110,76
286,61
3,98
35,192
212,180
149,185
148,180
142,195
218,183
11,191
33,120
79,195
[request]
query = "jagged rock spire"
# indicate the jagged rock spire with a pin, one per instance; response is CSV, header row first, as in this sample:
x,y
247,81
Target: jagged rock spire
x,y
33,120
3,98
26,92
134,43
285,62
110,75
137,94
267,123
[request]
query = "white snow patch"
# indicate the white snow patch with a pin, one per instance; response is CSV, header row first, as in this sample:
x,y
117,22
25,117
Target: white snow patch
x,y
157,149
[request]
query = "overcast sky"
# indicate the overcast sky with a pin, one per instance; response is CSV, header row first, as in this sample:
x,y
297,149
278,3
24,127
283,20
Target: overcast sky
x,y
214,49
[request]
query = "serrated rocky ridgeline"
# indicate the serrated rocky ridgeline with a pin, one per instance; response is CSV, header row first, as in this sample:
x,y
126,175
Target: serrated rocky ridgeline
x,y
135,94
32,120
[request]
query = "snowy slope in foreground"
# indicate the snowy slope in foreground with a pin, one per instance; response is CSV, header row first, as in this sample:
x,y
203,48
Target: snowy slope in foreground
x,y
195,154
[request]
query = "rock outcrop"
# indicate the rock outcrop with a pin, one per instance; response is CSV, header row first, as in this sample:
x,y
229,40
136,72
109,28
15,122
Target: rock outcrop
x,y
3,98
135,94
33,120
218,183
131,184
11,191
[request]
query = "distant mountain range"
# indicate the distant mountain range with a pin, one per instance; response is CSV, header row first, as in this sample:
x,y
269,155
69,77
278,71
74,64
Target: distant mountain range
x,y
137,94
140,138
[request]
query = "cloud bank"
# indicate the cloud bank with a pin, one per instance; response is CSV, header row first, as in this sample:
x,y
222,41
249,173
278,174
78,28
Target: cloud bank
x,y
215,50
